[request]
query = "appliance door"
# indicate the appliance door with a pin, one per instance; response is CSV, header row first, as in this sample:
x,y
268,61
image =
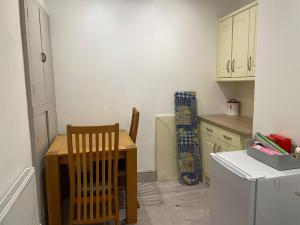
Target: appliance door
x,y
278,201
232,194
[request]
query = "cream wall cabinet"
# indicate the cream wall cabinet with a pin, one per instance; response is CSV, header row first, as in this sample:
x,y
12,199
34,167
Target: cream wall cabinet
x,y
225,44
237,45
252,41
216,139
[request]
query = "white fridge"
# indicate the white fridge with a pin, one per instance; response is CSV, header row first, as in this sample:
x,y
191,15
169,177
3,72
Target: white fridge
x,y
244,191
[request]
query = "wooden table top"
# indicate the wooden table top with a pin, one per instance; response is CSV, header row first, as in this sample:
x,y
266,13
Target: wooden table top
x,y
59,145
237,124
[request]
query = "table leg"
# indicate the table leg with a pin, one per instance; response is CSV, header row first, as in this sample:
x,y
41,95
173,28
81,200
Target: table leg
x,y
131,186
53,190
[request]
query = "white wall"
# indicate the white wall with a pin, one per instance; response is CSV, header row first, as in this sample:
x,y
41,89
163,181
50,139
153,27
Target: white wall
x,y
243,92
277,95
112,55
245,2
15,153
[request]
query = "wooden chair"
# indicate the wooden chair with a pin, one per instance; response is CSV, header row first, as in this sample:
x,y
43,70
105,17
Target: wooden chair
x,y
133,134
93,174
134,124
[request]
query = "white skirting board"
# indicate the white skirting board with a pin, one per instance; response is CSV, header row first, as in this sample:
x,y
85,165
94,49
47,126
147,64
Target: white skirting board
x,y
166,149
19,205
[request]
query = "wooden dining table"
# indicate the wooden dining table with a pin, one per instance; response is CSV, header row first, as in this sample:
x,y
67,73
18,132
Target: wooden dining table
x,y
57,156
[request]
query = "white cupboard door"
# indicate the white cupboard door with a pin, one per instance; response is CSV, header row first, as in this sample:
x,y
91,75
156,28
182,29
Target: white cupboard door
x,y
280,198
252,42
48,65
231,197
35,50
42,144
225,48
240,44
52,124
209,145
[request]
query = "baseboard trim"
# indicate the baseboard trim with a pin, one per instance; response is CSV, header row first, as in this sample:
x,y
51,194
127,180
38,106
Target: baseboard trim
x,y
147,176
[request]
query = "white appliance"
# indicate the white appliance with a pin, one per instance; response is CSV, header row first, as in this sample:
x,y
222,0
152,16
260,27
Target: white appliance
x,y
233,107
244,191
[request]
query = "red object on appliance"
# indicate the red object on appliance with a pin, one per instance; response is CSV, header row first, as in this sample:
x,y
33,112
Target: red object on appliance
x,y
283,142
272,139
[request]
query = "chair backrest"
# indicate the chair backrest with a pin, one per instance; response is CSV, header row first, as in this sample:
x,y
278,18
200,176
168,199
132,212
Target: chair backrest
x,y
90,148
134,124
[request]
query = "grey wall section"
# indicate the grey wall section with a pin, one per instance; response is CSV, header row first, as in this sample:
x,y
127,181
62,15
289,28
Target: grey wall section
x,y
15,148
40,89
277,103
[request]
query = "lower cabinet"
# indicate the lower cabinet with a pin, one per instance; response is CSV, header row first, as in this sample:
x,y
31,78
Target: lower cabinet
x,y
225,147
215,139
209,145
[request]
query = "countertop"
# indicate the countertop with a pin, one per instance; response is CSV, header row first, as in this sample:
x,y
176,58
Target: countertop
x,y
236,124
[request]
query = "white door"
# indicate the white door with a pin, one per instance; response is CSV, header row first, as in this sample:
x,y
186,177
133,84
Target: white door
x,y
209,145
252,42
52,124
278,201
48,64
231,195
225,48
35,50
240,44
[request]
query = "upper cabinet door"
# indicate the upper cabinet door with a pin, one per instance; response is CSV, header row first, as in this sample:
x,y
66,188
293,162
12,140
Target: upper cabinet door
x,y
252,42
240,44
35,50
225,48
47,50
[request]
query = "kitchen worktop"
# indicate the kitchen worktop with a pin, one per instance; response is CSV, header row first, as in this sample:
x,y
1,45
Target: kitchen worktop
x,y
237,124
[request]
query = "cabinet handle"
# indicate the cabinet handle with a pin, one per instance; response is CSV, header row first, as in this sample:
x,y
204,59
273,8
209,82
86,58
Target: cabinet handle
x,y
44,57
228,66
297,193
233,66
209,130
250,63
226,137
215,145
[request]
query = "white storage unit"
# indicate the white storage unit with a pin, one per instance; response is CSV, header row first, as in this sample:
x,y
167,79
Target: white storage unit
x,y
248,192
40,87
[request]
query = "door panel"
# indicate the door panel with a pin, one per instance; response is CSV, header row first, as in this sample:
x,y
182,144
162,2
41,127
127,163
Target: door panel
x,y
35,49
41,143
232,197
240,44
48,65
225,48
252,42
52,124
276,197
209,145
